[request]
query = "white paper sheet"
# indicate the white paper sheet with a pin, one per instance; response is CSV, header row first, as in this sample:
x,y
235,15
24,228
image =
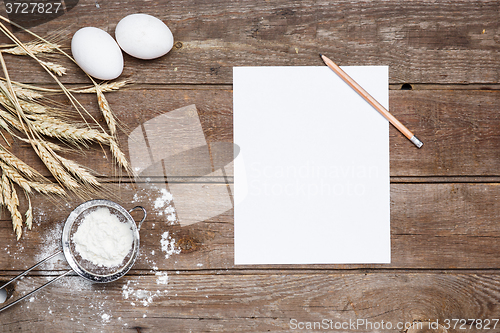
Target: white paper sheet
x,y
313,187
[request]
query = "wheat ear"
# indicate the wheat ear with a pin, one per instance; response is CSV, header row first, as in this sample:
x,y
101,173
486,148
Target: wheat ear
x,y
103,87
15,176
27,185
28,106
55,68
59,129
29,214
27,94
11,202
34,48
119,156
10,159
55,167
78,171
106,111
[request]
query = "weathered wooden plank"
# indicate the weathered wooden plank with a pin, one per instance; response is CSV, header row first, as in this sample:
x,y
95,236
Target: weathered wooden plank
x,y
433,226
257,303
459,128
422,42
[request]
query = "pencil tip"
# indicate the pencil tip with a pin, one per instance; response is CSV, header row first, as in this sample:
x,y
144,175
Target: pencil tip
x,y
320,55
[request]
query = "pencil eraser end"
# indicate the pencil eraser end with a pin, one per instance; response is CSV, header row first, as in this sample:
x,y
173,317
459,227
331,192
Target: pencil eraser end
x,y
416,142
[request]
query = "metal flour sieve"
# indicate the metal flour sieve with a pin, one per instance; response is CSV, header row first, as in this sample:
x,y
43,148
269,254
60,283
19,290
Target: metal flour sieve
x,y
83,267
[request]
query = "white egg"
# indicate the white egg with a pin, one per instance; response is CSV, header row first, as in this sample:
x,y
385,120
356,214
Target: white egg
x,y
3,295
97,53
144,36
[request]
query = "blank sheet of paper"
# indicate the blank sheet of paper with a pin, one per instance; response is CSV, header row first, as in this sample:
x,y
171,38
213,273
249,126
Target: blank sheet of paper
x,y
312,185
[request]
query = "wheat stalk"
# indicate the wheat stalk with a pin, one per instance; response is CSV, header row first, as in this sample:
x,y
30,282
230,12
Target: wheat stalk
x,y
47,188
52,145
119,156
37,122
27,94
4,125
55,167
106,111
78,171
10,159
27,185
29,214
103,87
33,47
10,119
64,131
5,189
28,106
15,176
11,202
55,68
74,102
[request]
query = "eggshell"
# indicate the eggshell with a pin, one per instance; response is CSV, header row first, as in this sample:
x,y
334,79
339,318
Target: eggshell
x,y
144,36
97,53
3,295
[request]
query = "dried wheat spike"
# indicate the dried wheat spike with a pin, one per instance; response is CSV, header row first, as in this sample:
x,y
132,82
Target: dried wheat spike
x,y
55,68
119,155
27,185
29,214
106,111
27,94
15,168
103,87
28,106
16,177
78,171
59,129
10,199
34,47
47,188
10,159
55,167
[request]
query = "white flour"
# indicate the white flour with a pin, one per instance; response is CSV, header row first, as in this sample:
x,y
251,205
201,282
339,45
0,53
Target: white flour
x,y
103,239
168,245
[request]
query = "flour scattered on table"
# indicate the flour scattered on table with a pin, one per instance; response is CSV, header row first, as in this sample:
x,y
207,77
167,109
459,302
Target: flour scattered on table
x,y
162,278
165,199
163,205
168,245
143,296
105,317
161,200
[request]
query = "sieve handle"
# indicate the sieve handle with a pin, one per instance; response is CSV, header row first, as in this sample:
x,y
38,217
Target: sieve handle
x,y
37,289
143,218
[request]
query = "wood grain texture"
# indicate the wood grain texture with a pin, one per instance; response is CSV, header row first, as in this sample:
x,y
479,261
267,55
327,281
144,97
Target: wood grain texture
x,y
433,226
422,42
254,302
445,197
459,128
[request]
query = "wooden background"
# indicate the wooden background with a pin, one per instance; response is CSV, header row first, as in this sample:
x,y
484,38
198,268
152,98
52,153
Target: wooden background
x,y
445,197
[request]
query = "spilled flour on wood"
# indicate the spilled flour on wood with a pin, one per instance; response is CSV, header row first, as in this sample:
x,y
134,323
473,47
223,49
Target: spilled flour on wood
x,y
132,291
168,245
96,300
162,278
160,199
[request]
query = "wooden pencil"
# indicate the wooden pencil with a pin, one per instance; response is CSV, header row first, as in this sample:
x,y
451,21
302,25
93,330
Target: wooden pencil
x,y
372,101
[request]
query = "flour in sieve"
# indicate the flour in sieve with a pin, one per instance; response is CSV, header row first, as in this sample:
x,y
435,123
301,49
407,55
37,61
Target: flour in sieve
x,y
102,239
